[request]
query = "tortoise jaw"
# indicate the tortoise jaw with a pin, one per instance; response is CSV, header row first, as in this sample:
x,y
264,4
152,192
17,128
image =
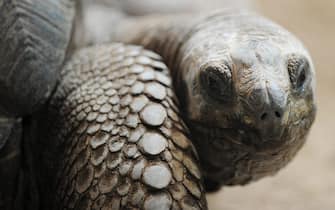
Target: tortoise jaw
x,y
245,137
237,155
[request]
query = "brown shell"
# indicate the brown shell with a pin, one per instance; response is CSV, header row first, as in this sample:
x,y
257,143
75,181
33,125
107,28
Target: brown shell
x,y
34,36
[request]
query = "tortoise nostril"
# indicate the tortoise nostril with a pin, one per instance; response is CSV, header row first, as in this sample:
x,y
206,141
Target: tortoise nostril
x,y
264,115
277,114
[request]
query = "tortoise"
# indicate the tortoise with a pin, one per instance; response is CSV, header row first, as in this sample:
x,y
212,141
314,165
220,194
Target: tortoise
x,y
246,87
225,98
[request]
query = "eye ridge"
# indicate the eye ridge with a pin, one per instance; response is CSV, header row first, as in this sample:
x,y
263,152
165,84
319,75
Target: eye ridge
x,y
217,80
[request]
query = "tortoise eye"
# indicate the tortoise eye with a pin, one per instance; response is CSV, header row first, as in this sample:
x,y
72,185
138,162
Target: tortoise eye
x,y
216,81
298,69
301,78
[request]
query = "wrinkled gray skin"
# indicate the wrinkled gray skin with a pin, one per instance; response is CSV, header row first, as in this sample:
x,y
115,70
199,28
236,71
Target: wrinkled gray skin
x,y
246,87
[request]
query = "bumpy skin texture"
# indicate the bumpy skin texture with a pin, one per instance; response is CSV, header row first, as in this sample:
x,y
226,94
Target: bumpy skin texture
x,y
34,36
245,84
113,137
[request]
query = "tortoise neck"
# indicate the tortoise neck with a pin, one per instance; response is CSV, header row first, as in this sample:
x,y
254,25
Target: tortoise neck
x,y
164,35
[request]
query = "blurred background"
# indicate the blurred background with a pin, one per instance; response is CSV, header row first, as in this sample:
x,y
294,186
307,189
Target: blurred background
x,y
308,182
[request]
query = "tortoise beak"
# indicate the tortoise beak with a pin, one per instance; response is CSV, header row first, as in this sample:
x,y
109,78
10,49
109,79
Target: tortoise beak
x,y
268,107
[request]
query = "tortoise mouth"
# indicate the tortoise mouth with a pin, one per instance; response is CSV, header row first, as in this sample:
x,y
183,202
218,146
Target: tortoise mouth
x,y
240,135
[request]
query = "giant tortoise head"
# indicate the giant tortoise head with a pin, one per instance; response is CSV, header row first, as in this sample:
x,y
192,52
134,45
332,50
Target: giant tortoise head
x,y
249,96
